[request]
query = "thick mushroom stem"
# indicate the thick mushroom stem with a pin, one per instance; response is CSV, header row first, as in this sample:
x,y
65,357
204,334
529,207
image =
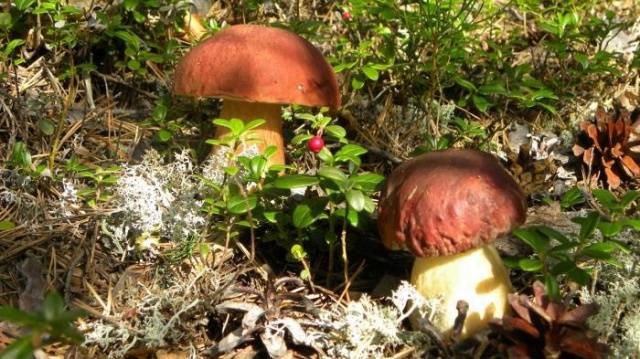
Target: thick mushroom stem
x,y
269,134
476,276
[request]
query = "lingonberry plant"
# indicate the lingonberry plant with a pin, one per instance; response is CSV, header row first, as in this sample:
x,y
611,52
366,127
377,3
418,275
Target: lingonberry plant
x,y
569,257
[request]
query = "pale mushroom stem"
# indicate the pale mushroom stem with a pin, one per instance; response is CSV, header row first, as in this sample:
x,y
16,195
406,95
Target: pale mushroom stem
x,y
269,134
476,276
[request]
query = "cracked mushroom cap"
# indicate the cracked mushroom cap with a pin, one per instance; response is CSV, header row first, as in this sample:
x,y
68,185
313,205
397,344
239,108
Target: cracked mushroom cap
x,y
258,64
446,202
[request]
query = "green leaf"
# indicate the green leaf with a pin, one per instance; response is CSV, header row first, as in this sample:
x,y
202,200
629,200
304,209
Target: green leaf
x,y
133,64
355,199
466,84
350,152
46,127
238,204
164,135
130,5
19,317
295,181
481,103
610,229
552,233
493,89
236,126
12,45
325,155
605,197
357,83
52,306
579,276
5,21
352,217
368,181
632,222
271,216
371,73
587,224
600,250
533,238
571,198
336,131
23,5
563,267
334,174
6,225
551,284
20,155
629,197
582,59
21,348
298,252
270,151
307,212
254,124
530,265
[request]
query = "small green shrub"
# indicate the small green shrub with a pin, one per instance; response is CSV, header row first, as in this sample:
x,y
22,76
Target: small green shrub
x,y
52,324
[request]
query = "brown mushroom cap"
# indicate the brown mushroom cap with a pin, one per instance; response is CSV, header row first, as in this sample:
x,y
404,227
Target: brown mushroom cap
x,y
446,202
258,64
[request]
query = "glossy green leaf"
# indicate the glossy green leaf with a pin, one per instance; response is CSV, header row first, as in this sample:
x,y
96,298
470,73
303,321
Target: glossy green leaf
x,y
335,131
298,252
371,73
164,135
239,204
355,199
334,174
530,265
552,233
571,198
295,181
307,212
368,181
588,224
533,238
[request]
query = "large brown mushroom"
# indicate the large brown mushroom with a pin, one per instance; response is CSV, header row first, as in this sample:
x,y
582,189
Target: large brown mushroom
x,y
255,69
447,207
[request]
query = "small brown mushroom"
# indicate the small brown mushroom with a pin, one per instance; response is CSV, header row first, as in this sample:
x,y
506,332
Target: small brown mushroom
x,y
255,69
447,207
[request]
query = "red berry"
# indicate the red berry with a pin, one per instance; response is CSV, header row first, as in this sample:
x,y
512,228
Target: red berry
x,y
346,16
315,144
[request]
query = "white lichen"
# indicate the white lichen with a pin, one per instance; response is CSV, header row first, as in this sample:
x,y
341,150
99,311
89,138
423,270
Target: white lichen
x,y
156,199
370,329
618,318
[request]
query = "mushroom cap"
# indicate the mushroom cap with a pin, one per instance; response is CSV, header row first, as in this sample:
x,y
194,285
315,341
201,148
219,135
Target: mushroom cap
x,y
446,202
258,64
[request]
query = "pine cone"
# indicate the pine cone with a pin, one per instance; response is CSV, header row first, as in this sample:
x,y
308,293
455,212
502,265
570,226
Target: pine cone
x,y
547,329
531,174
607,146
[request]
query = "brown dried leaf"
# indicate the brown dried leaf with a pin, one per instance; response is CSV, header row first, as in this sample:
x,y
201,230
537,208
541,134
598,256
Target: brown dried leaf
x,y
579,315
630,166
587,158
592,132
581,346
613,179
518,306
519,324
577,150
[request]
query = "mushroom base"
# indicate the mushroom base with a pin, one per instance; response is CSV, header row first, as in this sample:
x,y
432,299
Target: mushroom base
x,y
269,134
477,276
